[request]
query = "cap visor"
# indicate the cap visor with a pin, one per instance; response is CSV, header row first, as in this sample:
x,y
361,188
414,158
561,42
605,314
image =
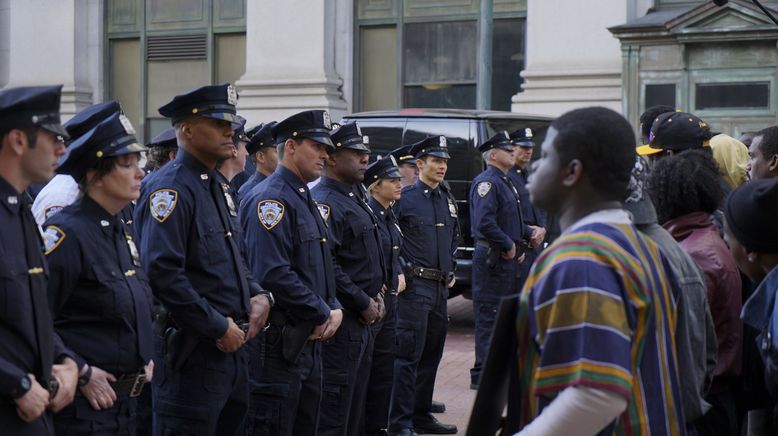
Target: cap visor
x,y
441,154
356,147
56,129
321,139
129,148
235,123
393,173
507,147
646,150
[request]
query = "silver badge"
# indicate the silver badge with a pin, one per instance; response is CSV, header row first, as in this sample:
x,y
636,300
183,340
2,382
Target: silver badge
x,y
359,131
452,208
528,132
232,95
127,125
505,134
394,161
326,119
230,202
365,140
442,142
133,250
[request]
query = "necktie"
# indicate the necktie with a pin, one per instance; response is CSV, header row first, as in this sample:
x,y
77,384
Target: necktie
x,y
360,199
440,226
329,269
516,195
220,200
44,328
124,251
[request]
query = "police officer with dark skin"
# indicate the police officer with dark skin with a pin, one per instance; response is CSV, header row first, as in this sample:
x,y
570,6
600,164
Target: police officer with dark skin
x,y
32,361
198,274
99,297
287,247
263,153
382,179
360,276
497,228
427,215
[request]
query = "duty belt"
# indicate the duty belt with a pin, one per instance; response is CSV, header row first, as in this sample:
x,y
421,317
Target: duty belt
x,y
130,384
429,274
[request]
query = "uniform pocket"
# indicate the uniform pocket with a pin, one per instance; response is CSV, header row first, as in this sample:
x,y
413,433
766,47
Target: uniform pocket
x,y
267,405
408,343
181,419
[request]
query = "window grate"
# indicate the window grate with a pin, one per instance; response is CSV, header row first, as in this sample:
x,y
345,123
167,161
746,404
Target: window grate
x,y
167,48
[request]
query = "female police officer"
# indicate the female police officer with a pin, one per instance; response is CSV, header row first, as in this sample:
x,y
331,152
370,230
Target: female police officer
x,y
99,297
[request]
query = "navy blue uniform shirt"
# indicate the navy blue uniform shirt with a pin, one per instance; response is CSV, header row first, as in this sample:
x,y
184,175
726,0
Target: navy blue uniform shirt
x,y
428,219
253,181
189,249
391,241
284,237
354,241
495,212
19,350
531,214
98,293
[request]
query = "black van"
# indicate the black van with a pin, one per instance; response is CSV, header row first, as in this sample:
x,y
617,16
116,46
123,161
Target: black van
x,y
464,131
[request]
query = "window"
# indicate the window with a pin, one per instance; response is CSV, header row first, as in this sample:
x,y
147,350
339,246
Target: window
x,y
507,61
378,60
663,94
732,95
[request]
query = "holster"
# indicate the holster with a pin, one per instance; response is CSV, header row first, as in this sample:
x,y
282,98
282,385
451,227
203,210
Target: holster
x,y
178,346
293,336
161,319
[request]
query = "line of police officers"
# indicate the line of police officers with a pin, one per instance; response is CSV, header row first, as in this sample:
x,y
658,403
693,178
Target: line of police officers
x,y
337,292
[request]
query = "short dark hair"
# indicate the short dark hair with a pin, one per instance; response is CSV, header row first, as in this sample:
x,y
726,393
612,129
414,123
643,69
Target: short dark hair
x,y
604,142
769,144
158,156
103,167
648,117
30,132
684,183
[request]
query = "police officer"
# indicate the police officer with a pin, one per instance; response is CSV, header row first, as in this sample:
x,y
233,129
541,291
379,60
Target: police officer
x,y
427,215
240,139
406,163
497,229
99,296
161,150
360,276
263,153
32,361
286,240
534,232
198,274
62,190
382,179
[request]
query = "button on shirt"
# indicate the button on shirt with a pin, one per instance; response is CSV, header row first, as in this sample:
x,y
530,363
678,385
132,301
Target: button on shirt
x,y
354,241
284,236
185,246
391,241
99,296
495,213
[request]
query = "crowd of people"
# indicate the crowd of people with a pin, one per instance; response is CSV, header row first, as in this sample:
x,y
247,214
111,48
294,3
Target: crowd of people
x,y
308,296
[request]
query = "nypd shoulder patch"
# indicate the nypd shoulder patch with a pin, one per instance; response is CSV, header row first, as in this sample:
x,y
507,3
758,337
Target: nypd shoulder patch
x,y
162,203
483,188
51,211
324,210
52,237
270,213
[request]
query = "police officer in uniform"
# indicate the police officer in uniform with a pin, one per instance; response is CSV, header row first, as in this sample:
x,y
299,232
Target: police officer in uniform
x,y
98,294
406,163
497,229
198,274
287,247
360,276
382,179
161,150
427,215
241,140
62,190
263,153
534,232
37,373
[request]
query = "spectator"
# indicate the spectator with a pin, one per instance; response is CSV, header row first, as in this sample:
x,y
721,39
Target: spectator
x,y
647,120
764,154
732,157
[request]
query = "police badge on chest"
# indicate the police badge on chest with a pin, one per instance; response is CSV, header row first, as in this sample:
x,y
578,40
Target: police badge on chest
x,y
452,208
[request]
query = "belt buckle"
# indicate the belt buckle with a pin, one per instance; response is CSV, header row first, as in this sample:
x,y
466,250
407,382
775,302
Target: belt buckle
x,y
137,385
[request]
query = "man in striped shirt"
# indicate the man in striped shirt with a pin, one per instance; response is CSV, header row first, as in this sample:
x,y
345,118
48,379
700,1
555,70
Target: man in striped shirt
x,y
596,318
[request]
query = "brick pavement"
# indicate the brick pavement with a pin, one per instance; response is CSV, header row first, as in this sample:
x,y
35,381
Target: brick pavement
x,y
453,382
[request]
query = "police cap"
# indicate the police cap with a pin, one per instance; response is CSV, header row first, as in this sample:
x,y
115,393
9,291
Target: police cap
x,y
523,138
212,101
314,125
403,155
676,131
240,131
165,139
114,136
500,140
432,145
31,106
385,168
87,118
350,136
262,138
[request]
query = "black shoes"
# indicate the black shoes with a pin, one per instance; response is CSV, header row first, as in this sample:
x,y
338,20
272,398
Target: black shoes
x,y
437,407
428,424
403,432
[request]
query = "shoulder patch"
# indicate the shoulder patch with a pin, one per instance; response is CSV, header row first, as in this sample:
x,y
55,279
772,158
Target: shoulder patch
x,y
483,188
324,210
51,211
162,203
52,237
270,213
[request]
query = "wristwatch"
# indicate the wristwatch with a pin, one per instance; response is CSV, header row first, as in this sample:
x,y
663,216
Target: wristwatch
x,y
270,298
24,386
83,380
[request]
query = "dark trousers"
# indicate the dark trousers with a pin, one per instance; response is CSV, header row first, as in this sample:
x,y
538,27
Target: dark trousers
x,y
721,419
285,398
11,424
422,321
490,284
346,360
379,389
207,396
79,418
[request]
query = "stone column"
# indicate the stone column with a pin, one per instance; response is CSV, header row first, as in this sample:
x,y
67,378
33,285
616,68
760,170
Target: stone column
x,y
290,60
51,42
